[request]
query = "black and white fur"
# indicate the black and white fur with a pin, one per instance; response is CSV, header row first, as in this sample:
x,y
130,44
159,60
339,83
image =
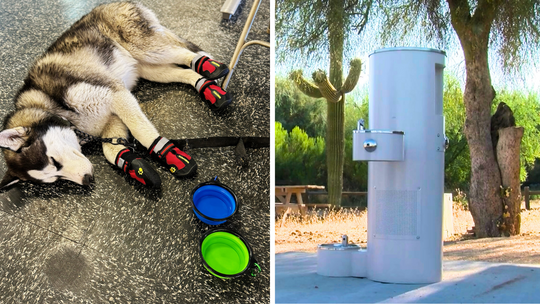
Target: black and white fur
x,y
85,78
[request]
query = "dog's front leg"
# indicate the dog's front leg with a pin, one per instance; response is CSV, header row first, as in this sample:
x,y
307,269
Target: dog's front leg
x,y
126,159
126,106
160,148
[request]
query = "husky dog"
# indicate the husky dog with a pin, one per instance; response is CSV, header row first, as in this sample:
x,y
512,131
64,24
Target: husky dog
x,y
84,80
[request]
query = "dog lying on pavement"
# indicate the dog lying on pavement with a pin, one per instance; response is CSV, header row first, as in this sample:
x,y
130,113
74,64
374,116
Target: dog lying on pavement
x,y
84,80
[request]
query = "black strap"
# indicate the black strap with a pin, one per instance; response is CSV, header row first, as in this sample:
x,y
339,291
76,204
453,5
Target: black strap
x,y
222,141
241,144
86,138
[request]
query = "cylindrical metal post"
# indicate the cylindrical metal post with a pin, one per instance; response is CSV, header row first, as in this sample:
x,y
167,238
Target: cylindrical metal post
x,y
405,198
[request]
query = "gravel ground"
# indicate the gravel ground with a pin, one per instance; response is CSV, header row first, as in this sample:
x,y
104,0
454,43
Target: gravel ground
x,y
305,235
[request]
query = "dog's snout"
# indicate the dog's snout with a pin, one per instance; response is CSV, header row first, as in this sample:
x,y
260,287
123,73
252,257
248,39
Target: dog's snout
x,y
87,179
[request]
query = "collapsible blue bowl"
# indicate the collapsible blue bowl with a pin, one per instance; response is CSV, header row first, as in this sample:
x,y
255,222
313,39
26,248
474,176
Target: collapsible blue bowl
x,y
213,202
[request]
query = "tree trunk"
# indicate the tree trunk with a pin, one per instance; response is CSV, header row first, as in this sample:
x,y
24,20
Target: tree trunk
x,y
508,149
485,201
335,124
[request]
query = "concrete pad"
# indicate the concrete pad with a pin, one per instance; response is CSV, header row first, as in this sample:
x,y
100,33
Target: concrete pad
x,y
463,281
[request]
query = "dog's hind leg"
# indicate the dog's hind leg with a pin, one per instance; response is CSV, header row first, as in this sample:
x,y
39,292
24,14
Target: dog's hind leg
x,y
167,53
167,48
209,91
126,159
139,31
167,73
163,150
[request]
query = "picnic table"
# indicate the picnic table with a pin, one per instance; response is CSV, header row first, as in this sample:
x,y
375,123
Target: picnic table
x,y
285,193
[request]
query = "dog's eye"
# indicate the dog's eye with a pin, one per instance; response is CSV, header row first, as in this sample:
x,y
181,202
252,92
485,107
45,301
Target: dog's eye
x,y
56,164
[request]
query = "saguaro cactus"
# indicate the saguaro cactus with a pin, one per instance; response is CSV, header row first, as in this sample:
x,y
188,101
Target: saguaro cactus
x,y
334,93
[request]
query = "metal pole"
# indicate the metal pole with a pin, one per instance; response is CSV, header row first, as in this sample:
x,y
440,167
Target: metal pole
x,y
242,42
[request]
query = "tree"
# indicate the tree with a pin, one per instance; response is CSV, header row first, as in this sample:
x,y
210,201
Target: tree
x,y
457,163
512,27
294,108
306,26
298,156
526,108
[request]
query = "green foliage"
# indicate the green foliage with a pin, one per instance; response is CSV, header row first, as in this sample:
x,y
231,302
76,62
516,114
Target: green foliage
x,y
457,173
313,26
457,158
299,158
293,108
302,27
526,110
354,172
514,35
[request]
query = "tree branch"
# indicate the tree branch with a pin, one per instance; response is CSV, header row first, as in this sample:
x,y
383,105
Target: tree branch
x,y
460,12
485,13
364,17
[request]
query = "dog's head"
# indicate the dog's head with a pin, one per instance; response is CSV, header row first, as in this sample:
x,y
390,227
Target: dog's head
x,y
42,151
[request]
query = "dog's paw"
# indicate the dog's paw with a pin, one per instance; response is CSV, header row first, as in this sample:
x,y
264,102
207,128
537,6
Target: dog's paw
x,y
216,98
179,163
137,168
208,67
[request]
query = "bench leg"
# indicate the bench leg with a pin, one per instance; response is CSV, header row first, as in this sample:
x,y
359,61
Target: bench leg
x,y
285,216
301,207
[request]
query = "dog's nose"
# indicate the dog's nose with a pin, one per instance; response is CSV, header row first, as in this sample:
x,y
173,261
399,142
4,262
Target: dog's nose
x,y
87,179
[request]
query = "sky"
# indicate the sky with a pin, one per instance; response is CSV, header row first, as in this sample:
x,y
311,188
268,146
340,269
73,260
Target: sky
x,y
527,79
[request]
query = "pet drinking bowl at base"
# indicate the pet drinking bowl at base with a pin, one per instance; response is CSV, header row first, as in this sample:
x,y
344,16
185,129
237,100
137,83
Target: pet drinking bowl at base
x,y
226,254
213,202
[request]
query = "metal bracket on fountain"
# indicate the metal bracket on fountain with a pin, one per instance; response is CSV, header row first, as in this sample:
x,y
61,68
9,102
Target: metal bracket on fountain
x,y
377,145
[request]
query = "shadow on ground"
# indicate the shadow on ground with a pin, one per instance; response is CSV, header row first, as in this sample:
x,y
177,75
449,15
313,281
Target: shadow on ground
x,y
463,282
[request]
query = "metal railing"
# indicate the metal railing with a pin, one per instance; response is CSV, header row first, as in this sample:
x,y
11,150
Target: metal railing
x,y
307,202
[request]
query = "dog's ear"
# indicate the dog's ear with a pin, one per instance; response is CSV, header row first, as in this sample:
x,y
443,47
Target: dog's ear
x,y
8,181
13,139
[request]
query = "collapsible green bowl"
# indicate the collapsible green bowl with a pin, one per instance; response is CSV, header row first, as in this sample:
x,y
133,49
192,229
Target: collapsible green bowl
x,y
226,254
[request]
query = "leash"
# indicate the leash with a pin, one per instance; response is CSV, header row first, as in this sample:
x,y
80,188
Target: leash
x,y
240,143
86,138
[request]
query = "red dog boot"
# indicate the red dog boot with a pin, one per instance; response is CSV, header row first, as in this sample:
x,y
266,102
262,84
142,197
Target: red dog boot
x,y
137,168
208,67
177,161
216,98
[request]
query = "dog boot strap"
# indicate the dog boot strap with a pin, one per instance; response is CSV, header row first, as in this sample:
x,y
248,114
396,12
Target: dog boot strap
x,y
208,67
137,168
212,94
179,163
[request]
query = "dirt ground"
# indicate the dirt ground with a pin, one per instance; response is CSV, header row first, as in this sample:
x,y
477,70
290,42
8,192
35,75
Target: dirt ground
x,y
296,234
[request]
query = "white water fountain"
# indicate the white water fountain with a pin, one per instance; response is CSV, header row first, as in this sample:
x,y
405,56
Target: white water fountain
x,y
405,149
